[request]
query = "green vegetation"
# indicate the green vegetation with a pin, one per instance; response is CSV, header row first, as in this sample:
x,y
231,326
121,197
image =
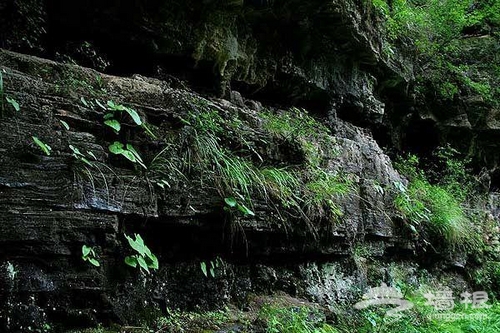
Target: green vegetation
x,y
439,35
9,100
185,322
437,210
143,258
308,190
294,320
110,118
321,191
211,266
88,254
128,151
43,146
423,318
233,205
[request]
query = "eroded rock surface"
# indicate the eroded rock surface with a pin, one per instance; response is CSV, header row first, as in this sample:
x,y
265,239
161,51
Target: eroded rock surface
x,y
52,205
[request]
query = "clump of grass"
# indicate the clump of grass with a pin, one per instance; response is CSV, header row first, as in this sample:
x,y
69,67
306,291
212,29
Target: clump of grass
x,y
184,321
434,207
293,123
321,192
283,184
228,172
294,320
306,192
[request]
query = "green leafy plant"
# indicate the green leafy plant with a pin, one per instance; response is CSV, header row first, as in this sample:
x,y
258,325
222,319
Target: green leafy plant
x,y
44,147
211,266
110,118
81,157
144,258
9,100
321,192
128,151
232,204
88,254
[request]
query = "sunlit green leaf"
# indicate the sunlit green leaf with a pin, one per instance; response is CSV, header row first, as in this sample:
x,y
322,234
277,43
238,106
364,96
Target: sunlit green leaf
x,y
44,147
13,102
131,261
143,263
137,243
114,124
203,267
86,250
135,116
245,210
231,202
94,262
65,124
116,148
154,264
108,116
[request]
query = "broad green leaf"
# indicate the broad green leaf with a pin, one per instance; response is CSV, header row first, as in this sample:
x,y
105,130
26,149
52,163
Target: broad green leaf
x,y
245,210
13,102
114,124
129,155
131,261
133,151
116,148
94,262
108,116
143,264
212,272
137,244
231,202
112,105
203,267
44,147
65,124
135,116
154,264
139,240
86,250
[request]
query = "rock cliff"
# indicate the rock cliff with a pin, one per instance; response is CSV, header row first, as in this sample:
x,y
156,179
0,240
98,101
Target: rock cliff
x,y
169,118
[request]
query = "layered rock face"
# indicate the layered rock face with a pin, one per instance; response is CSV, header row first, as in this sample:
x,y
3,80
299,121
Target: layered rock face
x,y
319,54
55,204
322,55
